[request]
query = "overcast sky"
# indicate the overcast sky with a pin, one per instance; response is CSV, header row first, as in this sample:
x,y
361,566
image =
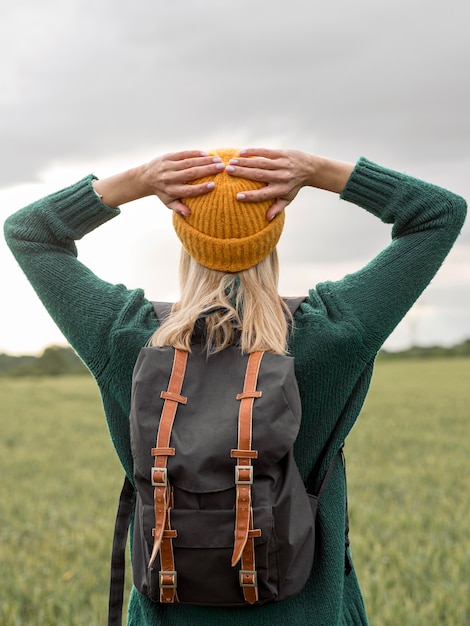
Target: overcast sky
x,y
101,86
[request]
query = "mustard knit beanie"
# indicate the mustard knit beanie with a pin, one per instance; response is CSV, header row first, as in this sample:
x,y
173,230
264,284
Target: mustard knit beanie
x,y
222,233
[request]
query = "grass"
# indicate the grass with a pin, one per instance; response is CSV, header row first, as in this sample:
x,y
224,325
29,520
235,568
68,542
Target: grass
x,y
59,494
408,465
409,489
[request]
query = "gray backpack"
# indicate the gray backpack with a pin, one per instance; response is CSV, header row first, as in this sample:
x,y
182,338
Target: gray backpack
x,y
222,516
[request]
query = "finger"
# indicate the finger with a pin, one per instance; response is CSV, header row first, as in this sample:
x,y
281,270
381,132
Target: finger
x,y
184,154
172,177
199,171
192,191
179,207
262,152
191,162
269,192
256,174
254,162
277,208
189,191
276,176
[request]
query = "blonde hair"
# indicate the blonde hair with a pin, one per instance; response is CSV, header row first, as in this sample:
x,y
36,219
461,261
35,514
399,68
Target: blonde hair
x,y
248,308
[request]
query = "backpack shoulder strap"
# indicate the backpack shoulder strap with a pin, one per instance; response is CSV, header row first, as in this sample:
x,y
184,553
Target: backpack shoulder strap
x,y
309,485
162,310
293,303
118,561
327,477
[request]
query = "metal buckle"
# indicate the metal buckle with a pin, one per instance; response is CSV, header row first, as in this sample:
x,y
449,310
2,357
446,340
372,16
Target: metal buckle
x,y
164,481
253,573
238,480
162,575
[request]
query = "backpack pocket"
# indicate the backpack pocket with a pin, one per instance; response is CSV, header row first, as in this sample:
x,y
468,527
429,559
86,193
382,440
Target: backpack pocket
x,y
202,554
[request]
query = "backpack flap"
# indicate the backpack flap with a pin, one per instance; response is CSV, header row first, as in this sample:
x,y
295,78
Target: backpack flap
x,y
206,428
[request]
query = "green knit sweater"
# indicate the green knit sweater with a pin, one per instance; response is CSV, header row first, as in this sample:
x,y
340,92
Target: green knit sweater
x,y
338,331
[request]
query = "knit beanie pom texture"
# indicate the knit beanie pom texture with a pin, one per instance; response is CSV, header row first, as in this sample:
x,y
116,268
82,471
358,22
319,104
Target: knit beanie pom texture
x,y
222,233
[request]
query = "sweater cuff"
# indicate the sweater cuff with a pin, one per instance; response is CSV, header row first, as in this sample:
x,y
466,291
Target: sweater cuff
x,y
80,209
372,186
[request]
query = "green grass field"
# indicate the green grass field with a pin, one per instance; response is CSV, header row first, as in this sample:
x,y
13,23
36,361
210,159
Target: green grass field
x,y
408,467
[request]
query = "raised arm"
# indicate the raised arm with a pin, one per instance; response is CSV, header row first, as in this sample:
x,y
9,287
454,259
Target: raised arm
x,y
426,221
42,237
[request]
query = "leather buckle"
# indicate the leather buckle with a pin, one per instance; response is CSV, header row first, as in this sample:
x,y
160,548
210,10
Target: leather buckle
x,y
248,578
243,468
163,482
167,585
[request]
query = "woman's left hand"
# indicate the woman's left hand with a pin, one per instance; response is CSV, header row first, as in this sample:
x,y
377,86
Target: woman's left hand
x,y
284,173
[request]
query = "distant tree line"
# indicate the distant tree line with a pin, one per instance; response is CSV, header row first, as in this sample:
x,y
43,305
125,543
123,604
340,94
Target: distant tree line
x,y
62,360
54,361
418,352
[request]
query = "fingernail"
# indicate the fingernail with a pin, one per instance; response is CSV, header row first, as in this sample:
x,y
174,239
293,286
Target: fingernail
x,y
242,152
203,154
210,185
220,166
234,161
230,169
216,160
241,196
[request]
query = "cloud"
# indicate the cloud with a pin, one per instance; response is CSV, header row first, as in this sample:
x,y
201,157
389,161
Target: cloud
x,y
102,85
84,80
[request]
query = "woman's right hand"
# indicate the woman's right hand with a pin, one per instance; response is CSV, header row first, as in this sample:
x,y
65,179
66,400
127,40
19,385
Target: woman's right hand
x,y
168,177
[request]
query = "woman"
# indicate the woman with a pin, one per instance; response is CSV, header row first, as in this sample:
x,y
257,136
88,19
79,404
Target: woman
x,y
336,334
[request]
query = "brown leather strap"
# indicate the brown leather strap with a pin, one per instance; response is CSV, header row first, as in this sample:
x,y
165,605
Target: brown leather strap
x,y
162,533
167,576
243,545
248,575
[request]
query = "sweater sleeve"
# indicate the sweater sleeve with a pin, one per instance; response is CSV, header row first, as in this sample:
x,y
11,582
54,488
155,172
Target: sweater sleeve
x,y
42,238
426,221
